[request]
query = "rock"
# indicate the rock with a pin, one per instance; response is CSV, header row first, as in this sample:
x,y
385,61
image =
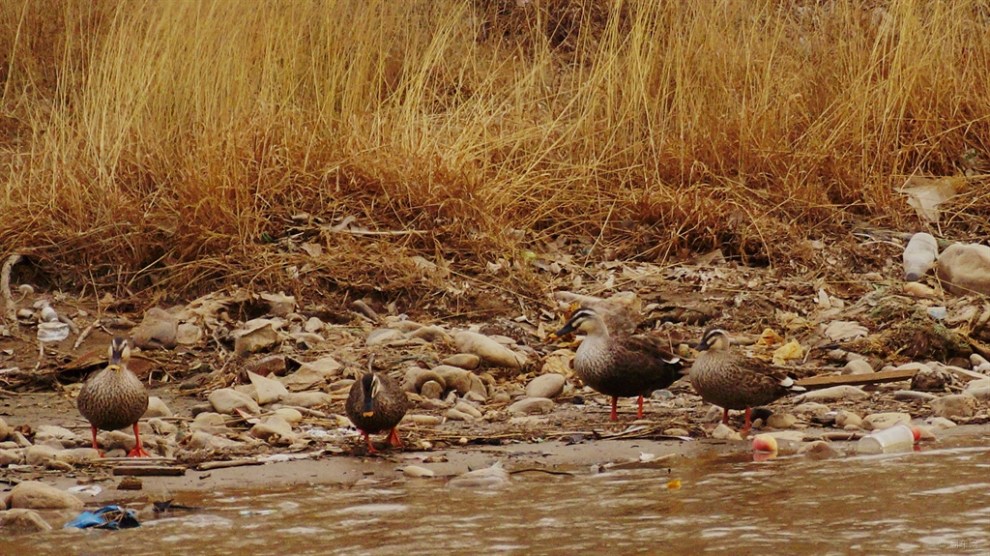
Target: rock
x,y
911,395
279,304
964,268
857,367
417,472
843,330
877,421
489,477
530,406
430,334
307,399
545,386
980,364
979,389
272,365
291,416
958,406
157,408
5,430
267,390
488,350
253,336
45,433
460,380
313,325
676,431
818,449
781,421
469,409
77,456
273,429
226,400
11,457
458,415
158,329
940,423
468,361
813,409
21,521
384,336
188,334
928,379
36,495
431,390
418,419
200,440
162,428
209,422
724,432
327,367
501,397
416,377
848,420
919,256
39,455
834,393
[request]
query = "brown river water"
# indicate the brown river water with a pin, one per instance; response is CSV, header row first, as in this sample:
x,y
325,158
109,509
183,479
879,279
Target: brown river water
x,y
934,501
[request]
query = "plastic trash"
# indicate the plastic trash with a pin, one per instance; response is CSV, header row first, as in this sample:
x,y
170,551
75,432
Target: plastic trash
x,y
898,438
54,331
919,256
108,517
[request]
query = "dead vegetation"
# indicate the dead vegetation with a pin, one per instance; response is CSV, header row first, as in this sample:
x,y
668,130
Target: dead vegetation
x,y
403,148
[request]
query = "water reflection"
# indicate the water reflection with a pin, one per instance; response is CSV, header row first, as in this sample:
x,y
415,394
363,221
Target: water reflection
x,y
937,501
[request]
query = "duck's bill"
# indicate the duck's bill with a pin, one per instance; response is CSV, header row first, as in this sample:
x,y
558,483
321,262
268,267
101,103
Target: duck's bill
x,y
368,414
567,329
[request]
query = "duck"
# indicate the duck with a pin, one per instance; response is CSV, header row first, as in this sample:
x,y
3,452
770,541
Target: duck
x,y
619,364
376,403
731,380
114,398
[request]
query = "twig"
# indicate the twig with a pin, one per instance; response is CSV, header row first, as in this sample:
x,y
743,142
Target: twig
x,y
83,336
210,465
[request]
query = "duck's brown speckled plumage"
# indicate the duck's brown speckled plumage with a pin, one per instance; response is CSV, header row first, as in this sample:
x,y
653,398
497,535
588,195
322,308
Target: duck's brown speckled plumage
x,y
113,398
388,403
620,365
731,380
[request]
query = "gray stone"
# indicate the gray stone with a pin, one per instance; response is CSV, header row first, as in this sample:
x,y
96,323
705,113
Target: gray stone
x,y
226,400
488,350
431,390
531,406
463,360
40,455
818,449
814,409
724,432
36,495
11,457
188,334
469,409
200,440
835,393
384,336
545,386
22,521
781,420
911,395
848,420
279,304
877,421
307,399
273,429
955,406
267,390
291,416
254,336
5,430
157,408
857,367
77,456
209,422
44,433
458,415
158,329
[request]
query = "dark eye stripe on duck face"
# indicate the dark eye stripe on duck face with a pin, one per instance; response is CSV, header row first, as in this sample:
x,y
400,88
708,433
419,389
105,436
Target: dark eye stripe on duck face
x,y
119,349
709,337
575,321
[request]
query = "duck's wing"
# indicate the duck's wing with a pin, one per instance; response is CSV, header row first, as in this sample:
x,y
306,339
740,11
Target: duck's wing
x,y
767,375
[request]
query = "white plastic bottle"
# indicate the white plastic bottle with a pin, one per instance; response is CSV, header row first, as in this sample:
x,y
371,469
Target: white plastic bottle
x,y
897,438
919,256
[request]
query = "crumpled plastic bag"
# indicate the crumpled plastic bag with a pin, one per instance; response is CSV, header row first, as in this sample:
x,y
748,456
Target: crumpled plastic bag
x,y
108,517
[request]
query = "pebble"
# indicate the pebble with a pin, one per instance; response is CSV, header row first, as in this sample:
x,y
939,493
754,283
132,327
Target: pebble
x,y
226,400
431,389
724,432
979,389
157,408
313,324
417,472
188,334
307,399
848,420
45,433
676,431
463,360
980,364
857,367
39,496
420,419
834,393
469,409
431,333
877,421
960,406
531,406
545,386
5,430
291,416
274,429
39,455
940,423
818,450
501,397
209,422
11,457
458,415
489,477
267,390
781,421
162,428
200,440
22,521
928,379
279,304
158,329
488,350
255,335
383,336
813,409
911,395
964,268
77,456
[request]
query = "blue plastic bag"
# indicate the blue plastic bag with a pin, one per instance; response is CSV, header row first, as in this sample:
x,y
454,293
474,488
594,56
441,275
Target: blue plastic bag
x,y
108,517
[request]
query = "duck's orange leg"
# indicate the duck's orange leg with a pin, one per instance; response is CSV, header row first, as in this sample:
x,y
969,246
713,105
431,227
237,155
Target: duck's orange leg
x,y
138,451
639,414
615,409
393,438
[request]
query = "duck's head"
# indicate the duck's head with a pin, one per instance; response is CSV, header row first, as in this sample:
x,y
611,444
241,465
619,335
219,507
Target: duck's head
x,y
370,387
714,339
119,351
583,320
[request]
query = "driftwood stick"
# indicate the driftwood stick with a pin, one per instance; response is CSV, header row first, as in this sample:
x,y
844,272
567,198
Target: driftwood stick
x,y
870,378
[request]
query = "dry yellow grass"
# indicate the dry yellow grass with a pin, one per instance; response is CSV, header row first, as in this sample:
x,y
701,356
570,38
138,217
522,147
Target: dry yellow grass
x,y
168,144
